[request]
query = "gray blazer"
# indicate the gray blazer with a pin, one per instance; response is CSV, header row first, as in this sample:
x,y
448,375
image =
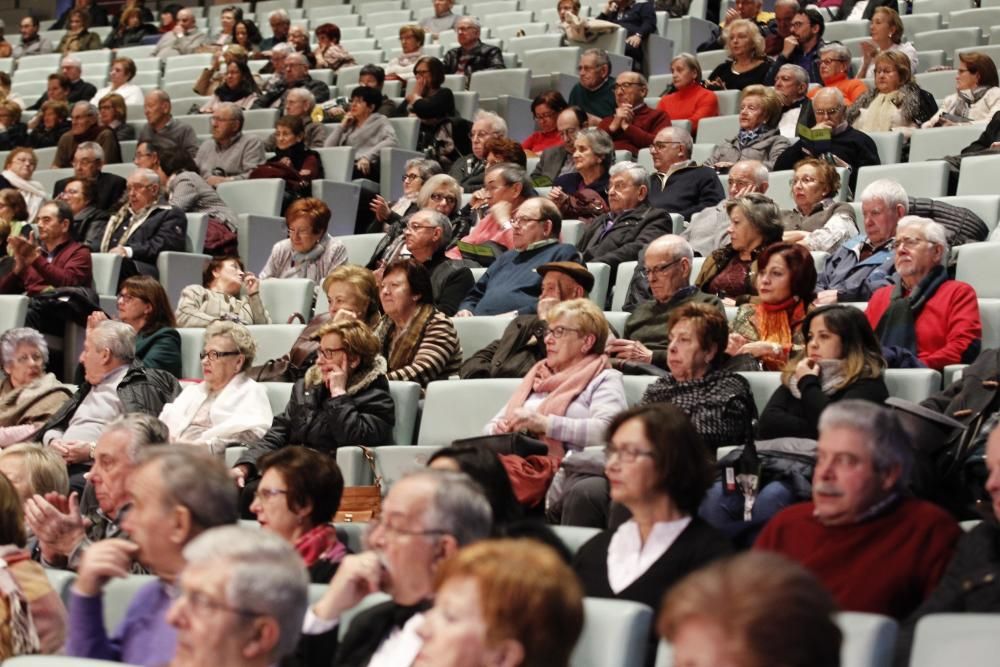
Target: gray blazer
x,y
192,194
766,148
550,162
377,133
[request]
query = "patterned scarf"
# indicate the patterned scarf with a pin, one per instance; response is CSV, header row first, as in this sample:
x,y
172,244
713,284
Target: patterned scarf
x,y
402,349
831,378
775,321
747,137
897,328
320,543
967,98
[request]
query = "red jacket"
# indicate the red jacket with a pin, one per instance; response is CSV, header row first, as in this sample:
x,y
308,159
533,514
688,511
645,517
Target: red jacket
x,y
946,327
69,266
646,122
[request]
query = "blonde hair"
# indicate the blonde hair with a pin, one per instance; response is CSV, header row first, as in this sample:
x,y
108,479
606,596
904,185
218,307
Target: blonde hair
x,y
756,39
362,281
588,317
770,101
46,471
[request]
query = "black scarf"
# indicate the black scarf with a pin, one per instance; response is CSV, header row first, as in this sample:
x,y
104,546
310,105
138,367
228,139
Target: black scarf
x,y
297,153
897,328
227,94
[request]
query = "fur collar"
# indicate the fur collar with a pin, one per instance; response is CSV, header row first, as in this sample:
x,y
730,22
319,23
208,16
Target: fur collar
x,y
358,380
41,398
908,101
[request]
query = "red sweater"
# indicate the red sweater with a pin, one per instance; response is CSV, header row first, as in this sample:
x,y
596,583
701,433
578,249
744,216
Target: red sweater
x,y
693,102
886,565
645,124
539,141
946,326
70,266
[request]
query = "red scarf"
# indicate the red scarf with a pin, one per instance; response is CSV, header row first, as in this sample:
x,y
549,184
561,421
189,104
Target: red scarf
x,y
320,543
775,323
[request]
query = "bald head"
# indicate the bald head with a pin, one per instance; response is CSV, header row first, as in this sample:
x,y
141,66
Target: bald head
x,y
667,262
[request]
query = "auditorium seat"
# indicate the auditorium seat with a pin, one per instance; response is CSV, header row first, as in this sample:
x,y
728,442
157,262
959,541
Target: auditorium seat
x,y
961,639
392,462
475,333
615,634
461,408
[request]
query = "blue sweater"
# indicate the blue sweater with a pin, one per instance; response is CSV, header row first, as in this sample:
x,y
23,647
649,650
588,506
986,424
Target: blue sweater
x,y
511,282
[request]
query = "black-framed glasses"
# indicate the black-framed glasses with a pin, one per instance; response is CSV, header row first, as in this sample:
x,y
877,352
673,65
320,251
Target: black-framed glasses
x,y
328,352
267,494
624,455
410,177
559,332
662,145
627,84
521,221
381,523
215,355
413,227
437,197
660,269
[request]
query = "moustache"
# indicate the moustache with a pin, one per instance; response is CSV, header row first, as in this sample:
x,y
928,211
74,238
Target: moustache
x,y
827,489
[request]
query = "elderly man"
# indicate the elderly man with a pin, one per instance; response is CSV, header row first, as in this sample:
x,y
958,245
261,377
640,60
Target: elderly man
x,y
296,76
185,38
162,127
831,138
792,84
667,268
229,155
834,68
79,90
470,171
558,160
85,127
31,44
276,66
860,517
750,10
471,55
708,229
511,284
174,494
941,324
781,28
639,21
426,517
88,161
595,93
144,228
240,600
300,102
679,185
522,344
280,23
427,235
633,124
632,223
442,20
64,531
803,46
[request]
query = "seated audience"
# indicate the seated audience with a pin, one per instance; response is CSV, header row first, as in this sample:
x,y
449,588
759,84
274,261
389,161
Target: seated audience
x,y
593,154
835,70
13,218
183,39
298,39
434,105
163,128
558,160
752,11
639,21
227,19
59,88
237,86
299,492
818,221
470,171
860,518
678,184
770,330
411,42
212,77
686,96
545,108
708,229
96,14
18,169
227,406
28,395
595,92
373,76
88,165
229,155
443,19
426,236
54,123
365,130
301,103
14,133
507,188
924,312
633,124
296,75
747,64
309,251
77,37
329,54
31,42
416,173
122,72
33,470
85,128
440,193
185,188
803,46
791,84
758,137
132,30
471,55
897,103
219,296
172,495
977,93
886,29
417,340
293,162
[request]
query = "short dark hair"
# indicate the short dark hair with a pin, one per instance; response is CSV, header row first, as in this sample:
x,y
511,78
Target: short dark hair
x,y
800,265
553,99
329,30
375,71
815,19
678,454
62,209
435,68
173,161
63,80
417,275
710,326
311,477
214,264
507,150
88,188
370,96
581,115
151,291
293,124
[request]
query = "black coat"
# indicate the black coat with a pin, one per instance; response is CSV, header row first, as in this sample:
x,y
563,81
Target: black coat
x,y
110,190
852,146
165,229
89,228
787,416
521,346
451,281
43,138
632,231
986,139
848,6
15,135
79,91
688,191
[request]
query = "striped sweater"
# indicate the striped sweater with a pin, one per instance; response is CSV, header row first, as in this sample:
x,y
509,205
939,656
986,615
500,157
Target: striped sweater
x,y
439,354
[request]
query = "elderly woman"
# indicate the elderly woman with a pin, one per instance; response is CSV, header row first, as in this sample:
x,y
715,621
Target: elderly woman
x,y
342,400
715,615
593,153
441,192
818,222
747,64
122,72
298,494
54,123
329,53
492,598
687,96
227,406
754,224
545,108
131,30
218,297
977,93
88,220
77,37
417,339
925,314
506,187
237,86
365,130
13,216
13,132
309,252
293,161
113,114
227,22
758,138
28,395
144,306
771,330
34,469
411,41
896,103
886,30
416,172
17,172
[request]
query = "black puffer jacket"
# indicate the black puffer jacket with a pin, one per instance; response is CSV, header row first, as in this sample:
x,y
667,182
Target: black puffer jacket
x,y
365,415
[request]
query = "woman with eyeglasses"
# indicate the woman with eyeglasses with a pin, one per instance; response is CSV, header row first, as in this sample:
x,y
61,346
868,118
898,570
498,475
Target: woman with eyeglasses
x,y
28,395
219,297
18,170
897,103
416,172
818,221
227,406
88,220
593,153
747,64
298,494
545,108
758,137
343,399
112,113
293,162
411,41
309,251
977,93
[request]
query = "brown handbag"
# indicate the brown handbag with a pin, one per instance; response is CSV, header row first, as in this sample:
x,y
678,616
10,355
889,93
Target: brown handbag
x,y
361,504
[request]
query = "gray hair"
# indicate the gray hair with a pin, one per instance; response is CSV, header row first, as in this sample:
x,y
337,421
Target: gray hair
x,y
282,49
92,147
458,507
439,220
424,166
600,143
498,124
435,182
295,56
239,335
280,14
234,110
14,338
885,436
116,337
761,212
159,95
676,246
471,20
197,481
266,576
887,191
799,73
143,430
148,175
681,136
835,93
787,3
303,94
690,61
758,172
932,231
839,51
636,172
72,61
88,107
185,11
512,173
600,55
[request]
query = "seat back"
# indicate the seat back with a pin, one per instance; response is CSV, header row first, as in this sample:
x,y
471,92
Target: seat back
x,y
274,340
869,639
615,634
118,594
106,268
278,394
962,639
260,195
763,384
930,179
392,462
475,333
978,175
978,266
461,408
574,537
284,297
406,397
192,341
360,246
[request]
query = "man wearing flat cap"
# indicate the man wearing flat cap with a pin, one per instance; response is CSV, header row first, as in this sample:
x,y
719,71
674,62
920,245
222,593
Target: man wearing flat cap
x,y
522,344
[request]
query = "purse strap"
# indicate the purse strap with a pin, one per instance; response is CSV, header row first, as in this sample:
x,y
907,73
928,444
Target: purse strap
x,y
370,458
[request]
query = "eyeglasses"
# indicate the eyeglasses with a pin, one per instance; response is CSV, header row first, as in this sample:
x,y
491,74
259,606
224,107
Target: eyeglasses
x,y
201,601
559,332
627,84
830,61
522,221
545,115
753,108
421,72
328,352
410,177
381,524
413,227
649,272
624,455
910,242
215,355
437,197
26,358
662,145
803,180
267,494
827,113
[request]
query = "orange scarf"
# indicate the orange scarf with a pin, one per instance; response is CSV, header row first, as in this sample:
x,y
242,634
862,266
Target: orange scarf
x,y
775,324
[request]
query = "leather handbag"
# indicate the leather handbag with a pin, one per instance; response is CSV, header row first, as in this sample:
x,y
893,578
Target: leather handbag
x,y
508,443
360,504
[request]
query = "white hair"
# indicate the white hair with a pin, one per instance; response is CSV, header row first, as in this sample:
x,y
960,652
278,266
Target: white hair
x,y
636,172
931,231
498,124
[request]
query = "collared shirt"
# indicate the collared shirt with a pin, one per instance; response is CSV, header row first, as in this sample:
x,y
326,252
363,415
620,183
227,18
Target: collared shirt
x,y
629,558
99,406
866,249
665,176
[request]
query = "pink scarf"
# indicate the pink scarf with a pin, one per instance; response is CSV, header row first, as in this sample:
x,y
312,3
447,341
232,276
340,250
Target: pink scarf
x,y
320,543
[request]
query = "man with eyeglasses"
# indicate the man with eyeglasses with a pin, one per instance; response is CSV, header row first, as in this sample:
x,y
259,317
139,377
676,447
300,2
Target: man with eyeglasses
x,y
296,76
470,171
88,162
427,236
426,517
633,124
803,46
471,55
835,69
595,93
229,155
86,127
558,160
679,185
173,495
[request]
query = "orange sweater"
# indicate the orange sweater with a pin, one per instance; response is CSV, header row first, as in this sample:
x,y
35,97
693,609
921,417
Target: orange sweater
x,y
851,88
692,102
